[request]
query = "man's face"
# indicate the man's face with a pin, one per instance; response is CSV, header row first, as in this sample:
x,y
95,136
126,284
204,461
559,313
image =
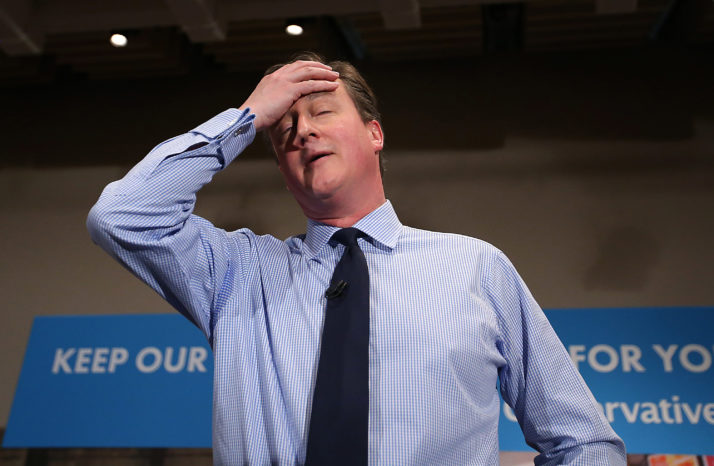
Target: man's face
x,y
326,153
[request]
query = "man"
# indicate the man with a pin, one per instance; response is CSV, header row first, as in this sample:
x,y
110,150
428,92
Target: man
x,y
447,316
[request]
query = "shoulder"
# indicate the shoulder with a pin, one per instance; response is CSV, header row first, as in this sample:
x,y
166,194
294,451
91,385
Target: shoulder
x,y
434,240
461,253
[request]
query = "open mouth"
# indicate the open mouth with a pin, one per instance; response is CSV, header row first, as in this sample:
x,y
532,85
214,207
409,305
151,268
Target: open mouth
x,y
319,156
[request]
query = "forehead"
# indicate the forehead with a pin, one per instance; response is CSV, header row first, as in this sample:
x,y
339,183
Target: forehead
x,y
320,96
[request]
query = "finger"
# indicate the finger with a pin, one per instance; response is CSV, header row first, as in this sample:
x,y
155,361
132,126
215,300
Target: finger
x,y
312,73
312,86
297,65
314,64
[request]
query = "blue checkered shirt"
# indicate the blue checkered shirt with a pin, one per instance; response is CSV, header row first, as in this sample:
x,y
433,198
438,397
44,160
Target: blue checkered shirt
x,y
449,319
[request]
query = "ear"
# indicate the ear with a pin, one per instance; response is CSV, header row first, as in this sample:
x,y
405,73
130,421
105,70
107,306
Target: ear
x,y
375,135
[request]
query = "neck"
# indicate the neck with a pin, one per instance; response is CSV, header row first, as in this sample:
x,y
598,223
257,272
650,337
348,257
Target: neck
x,y
344,215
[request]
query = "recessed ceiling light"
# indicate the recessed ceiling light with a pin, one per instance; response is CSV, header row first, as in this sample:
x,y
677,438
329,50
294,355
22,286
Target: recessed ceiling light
x,y
293,29
118,40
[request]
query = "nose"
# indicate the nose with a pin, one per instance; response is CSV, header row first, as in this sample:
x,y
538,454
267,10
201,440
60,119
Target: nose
x,y
305,129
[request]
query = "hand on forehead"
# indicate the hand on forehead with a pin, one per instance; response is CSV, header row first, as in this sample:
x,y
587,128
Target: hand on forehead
x,y
276,93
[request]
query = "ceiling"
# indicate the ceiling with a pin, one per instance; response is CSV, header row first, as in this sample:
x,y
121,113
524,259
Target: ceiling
x,y
43,41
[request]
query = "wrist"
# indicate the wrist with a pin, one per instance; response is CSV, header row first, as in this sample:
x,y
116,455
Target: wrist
x,y
258,122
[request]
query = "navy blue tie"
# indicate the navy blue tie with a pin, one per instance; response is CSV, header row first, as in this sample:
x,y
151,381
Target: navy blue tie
x,y
340,404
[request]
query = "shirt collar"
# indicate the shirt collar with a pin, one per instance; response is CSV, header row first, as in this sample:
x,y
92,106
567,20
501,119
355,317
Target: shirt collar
x,y
382,225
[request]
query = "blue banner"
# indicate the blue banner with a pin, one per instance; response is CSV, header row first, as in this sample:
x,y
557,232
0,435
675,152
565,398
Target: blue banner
x,y
113,381
146,380
650,369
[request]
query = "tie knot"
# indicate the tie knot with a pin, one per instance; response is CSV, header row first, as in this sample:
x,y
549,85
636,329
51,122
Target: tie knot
x,y
347,236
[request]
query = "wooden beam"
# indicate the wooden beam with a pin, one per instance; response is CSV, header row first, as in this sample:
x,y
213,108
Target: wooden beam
x,y
400,14
198,19
610,7
17,36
